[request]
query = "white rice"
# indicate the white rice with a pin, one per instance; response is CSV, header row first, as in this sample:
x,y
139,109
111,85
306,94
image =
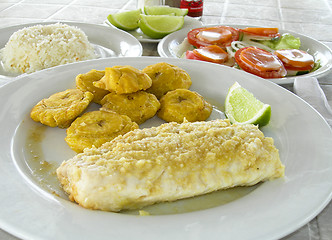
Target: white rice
x,y
42,46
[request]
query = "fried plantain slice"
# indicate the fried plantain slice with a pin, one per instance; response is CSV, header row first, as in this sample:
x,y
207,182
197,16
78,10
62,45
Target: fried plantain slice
x,y
85,81
139,106
183,103
60,109
166,77
97,127
124,79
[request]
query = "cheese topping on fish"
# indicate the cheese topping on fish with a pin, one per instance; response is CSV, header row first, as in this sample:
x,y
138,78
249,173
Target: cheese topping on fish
x,y
169,162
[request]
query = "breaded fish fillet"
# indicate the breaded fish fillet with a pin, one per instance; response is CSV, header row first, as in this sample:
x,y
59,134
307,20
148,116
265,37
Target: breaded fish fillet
x,y
169,162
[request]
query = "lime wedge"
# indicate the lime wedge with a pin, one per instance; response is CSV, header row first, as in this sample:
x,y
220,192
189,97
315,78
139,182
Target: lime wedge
x,y
158,26
165,10
242,107
127,20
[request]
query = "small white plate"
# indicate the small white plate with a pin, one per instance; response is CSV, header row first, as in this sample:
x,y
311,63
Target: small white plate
x,y
107,42
314,47
34,207
189,23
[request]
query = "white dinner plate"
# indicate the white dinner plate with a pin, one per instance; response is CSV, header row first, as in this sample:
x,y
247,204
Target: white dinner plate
x,y
189,23
106,42
317,49
33,206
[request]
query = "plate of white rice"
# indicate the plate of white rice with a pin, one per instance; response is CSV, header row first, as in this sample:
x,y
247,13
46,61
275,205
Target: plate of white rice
x,y
33,47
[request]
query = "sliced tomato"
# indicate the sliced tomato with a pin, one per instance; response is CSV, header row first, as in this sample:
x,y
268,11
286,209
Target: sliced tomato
x,y
296,60
299,69
191,55
260,62
265,32
219,35
211,53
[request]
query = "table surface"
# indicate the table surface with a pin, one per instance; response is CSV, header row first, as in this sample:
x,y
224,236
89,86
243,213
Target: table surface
x,y
309,17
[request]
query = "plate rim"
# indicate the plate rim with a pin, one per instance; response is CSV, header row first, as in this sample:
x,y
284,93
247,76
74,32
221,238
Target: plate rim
x,y
64,67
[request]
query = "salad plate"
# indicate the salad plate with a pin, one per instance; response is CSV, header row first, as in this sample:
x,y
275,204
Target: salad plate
x,y
189,23
168,47
106,42
35,207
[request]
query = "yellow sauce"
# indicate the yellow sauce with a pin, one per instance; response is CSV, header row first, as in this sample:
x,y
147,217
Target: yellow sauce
x,y
42,171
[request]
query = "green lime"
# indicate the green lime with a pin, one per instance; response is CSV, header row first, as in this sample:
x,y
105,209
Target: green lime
x,y
242,107
158,26
165,10
127,20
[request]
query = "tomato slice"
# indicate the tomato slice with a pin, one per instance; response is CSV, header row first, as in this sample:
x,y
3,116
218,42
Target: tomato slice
x,y
219,35
260,62
291,68
266,32
191,55
295,59
211,53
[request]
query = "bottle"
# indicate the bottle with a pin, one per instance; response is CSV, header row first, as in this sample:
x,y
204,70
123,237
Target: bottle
x,y
142,3
170,3
173,3
195,7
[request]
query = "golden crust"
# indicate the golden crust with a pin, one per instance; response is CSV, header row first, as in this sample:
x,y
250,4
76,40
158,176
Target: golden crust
x,y
181,104
60,109
138,106
95,128
85,81
124,79
169,162
166,77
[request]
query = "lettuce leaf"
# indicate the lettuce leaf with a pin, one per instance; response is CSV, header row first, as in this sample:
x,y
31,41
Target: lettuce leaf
x,y
286,41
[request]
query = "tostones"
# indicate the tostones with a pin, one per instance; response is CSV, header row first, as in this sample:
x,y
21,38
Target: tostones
x,y
60,109
85,81
124,79
166,77
183,103
97,127
139,106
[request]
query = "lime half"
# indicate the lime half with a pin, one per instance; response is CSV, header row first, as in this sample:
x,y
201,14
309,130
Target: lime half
x,y
127,20
165,10
242,107
158,26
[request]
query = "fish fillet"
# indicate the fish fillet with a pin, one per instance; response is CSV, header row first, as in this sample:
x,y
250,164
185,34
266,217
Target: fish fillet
x,y
169,162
